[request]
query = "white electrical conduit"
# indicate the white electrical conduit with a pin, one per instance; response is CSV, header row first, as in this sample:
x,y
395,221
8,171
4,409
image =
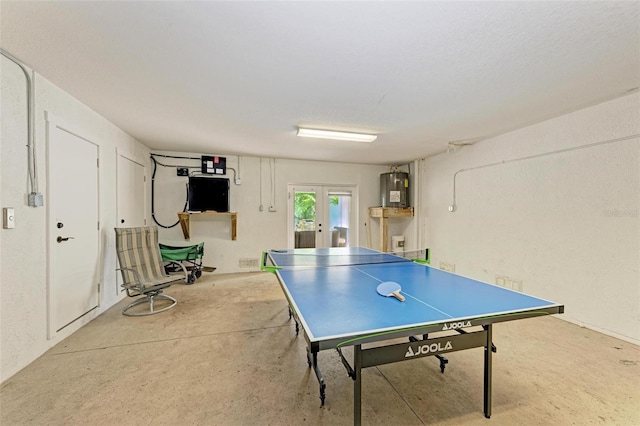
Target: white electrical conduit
x,y
261,207
33,177
272,168
452,207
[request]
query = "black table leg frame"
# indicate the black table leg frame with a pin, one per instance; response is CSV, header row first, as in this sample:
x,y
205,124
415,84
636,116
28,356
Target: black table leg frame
x,y
489,348
357,385
295,320
416,348
312,361
370,357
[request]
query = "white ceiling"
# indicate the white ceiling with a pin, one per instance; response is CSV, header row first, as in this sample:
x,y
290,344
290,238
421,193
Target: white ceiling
x,y
239,77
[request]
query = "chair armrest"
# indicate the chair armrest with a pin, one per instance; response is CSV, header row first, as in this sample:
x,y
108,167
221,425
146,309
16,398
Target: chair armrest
x,y
133,289
184,269
136,274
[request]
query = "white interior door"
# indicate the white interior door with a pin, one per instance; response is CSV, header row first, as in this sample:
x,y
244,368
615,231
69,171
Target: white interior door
x,y
130,176
322,216
73,236
131,192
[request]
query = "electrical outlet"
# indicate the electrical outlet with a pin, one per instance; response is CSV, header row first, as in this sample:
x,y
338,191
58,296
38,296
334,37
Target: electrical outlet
x,y
516,285
449,267
182,171
510,283
8,218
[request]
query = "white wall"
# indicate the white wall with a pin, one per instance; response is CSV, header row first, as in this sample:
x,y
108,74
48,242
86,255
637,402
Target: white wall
x,y
23,263
566,225
256,230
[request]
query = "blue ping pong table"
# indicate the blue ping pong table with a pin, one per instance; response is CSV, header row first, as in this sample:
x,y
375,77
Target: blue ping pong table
x,y
332,296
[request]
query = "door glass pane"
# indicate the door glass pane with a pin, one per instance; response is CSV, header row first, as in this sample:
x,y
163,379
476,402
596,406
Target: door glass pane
x,y
304,219
339,213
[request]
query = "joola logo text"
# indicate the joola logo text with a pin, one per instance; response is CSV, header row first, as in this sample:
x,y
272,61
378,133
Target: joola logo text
x,y
427,349
455,325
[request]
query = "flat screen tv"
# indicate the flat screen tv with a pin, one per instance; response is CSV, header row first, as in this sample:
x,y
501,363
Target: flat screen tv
x,y
208,193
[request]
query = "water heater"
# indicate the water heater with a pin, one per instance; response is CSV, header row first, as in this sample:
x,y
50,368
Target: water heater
x,y
394,189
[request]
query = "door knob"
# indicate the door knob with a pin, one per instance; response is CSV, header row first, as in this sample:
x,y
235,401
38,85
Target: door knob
x,y
60,239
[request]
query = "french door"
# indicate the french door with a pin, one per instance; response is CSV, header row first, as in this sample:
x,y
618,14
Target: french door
x,y
322,216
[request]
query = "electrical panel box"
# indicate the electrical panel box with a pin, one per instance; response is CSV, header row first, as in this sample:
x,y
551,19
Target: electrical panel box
x,y
214,165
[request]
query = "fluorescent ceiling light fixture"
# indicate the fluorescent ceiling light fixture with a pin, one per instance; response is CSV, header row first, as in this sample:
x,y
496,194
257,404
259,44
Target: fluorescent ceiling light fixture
x,y
340,136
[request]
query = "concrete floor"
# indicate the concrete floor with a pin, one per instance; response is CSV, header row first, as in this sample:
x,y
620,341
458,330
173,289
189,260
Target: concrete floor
x,y
228,355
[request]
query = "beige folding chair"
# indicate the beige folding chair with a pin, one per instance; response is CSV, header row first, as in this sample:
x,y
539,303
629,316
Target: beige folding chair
x,y
142,269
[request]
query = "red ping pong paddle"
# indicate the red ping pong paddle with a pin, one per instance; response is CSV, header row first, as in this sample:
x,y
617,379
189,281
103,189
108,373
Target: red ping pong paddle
x,y
390,289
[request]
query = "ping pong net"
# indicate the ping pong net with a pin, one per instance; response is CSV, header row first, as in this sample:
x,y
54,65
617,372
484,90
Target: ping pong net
x,y
318,258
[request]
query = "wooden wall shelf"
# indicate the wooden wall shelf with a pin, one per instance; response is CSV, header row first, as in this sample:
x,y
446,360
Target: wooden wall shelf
x,y
184,221
384,213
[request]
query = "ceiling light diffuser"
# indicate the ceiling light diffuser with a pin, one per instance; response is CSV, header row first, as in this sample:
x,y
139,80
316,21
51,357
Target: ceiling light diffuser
x,y
340,136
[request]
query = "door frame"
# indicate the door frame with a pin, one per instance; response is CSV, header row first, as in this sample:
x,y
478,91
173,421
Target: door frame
x,y
52,123
322,191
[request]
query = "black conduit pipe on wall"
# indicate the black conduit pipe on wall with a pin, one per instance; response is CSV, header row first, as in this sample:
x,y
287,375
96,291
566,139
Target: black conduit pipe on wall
x,y
153,212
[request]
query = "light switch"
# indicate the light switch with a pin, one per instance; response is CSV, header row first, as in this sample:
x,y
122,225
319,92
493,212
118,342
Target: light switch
x,y
8,218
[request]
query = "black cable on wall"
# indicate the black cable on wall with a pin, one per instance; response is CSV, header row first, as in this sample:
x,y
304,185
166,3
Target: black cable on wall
x,y
153,181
